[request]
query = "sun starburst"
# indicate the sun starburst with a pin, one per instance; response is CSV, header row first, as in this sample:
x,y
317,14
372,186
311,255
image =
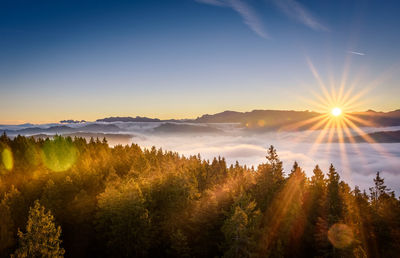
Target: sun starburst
x,y
337,122
336,111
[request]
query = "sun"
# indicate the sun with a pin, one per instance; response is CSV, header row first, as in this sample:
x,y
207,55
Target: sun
x,y
336,126
336,111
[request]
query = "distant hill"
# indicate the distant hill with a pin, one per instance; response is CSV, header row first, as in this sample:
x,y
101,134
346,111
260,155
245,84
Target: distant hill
x,y
186,129
269,116
71,121
253,121
140,119
378,119
260,120
265,120
128,119
378,137
63,129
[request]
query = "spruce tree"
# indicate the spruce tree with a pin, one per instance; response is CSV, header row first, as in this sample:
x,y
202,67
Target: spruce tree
x,y
378,191
275,162
42,237
334,200
269,180
294,168
239,228
6,228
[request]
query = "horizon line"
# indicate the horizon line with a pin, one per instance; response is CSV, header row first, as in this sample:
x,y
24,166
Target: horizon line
x,y
6,123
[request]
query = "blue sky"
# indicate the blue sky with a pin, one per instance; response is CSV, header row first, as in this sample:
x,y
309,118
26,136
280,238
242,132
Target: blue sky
x,y
183,58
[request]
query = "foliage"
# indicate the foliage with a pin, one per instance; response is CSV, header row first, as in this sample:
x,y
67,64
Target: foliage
x,y
42,237
126,201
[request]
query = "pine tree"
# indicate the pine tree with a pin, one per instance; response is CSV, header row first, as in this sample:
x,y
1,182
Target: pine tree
x,y
334,200
42,237
378,191
179,244
315,209
6,228
293,216
275,163
123,220
317,179
4,138
297,173
269,180
14,200
294,168
239,228
385,218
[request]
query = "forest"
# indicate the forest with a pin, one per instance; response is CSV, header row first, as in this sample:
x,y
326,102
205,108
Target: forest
x,y
70,197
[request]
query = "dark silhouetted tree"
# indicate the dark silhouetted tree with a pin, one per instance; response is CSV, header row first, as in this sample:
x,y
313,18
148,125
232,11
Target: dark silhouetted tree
x,y
334,200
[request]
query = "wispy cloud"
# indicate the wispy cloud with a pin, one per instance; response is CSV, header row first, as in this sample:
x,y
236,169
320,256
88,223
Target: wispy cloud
x,y
356,53
212,2
249,16
298,12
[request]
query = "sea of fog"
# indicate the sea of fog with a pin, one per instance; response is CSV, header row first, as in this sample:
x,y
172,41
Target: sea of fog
x,y
357,163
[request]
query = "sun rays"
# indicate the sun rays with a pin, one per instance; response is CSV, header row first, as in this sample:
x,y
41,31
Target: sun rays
x,y
338,128
337,121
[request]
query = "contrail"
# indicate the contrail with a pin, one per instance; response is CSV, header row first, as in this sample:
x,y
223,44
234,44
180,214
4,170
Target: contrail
x,y
356,53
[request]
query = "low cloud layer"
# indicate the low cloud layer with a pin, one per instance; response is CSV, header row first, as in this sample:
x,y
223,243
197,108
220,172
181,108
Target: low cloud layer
x,y
356,163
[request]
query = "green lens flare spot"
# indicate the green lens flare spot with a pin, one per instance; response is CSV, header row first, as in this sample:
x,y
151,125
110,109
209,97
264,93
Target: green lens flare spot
x,y
7,159
59,154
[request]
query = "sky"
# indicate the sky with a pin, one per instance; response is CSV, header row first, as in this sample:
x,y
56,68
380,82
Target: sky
x,y
70,59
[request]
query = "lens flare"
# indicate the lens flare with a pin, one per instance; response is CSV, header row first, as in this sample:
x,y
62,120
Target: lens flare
x,y
7,159
59,154
340,235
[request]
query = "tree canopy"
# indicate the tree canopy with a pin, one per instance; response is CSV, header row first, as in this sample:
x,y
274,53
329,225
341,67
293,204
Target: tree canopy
x,y
76,198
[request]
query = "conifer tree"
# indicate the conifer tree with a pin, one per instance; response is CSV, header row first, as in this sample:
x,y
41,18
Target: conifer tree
x,y
269,180
317,179
14,200
275,162
123,220
334,200
315,228
294,168
4,138
6,228
379,190
123,201
179,244
239,228
42,237
317,193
